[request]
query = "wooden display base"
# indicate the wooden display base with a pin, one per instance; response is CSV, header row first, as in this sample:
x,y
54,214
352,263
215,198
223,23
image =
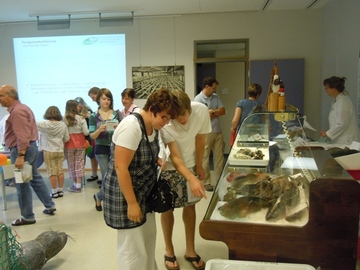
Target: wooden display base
x,y
329,239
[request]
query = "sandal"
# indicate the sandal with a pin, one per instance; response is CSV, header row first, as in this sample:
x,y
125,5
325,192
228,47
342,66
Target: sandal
x,y
21,221
197,260
54,195
172,260
60,193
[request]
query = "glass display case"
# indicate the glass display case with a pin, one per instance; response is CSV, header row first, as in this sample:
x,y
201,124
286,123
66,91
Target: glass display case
x,y
267,173
275,191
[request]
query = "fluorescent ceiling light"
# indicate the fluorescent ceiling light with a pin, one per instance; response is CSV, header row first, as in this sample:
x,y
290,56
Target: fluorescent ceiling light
x,y
53,24
121,19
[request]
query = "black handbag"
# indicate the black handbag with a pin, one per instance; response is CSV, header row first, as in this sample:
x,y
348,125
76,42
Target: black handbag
x,y
161,197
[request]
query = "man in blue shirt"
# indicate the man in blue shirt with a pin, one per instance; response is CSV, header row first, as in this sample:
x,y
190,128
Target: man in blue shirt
x,y
214,140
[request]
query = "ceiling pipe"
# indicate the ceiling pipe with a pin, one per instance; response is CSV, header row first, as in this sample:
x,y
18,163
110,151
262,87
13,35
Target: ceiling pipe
x,y
313,3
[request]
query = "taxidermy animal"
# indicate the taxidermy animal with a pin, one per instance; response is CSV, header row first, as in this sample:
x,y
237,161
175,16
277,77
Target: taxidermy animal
x,y
43,248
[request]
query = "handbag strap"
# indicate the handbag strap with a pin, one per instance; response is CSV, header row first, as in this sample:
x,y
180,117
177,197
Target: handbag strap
x,y
142,127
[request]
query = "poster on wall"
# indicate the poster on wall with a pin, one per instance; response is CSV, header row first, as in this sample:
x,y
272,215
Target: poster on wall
x,y
149,79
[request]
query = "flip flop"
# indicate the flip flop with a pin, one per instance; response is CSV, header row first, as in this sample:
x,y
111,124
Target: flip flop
x,y
197,260
20,222
172,260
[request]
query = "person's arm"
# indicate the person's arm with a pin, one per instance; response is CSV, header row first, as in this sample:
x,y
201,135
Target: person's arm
x,y
66,137
217,112
84,127
40,126
94,132
200,149
236,119
196,185
122,159
22,131
323,134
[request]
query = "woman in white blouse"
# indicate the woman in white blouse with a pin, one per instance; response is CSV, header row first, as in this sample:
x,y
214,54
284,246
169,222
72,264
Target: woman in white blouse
x,y
343,128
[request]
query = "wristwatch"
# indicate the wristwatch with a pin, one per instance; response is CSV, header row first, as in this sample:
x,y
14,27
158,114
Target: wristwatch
x,y
21,155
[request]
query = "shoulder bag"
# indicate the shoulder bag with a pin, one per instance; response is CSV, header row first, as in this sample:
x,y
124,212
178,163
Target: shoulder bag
x,y
161,197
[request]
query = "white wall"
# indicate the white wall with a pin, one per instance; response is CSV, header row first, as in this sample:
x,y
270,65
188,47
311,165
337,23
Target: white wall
x,y
229,76
341,46
170,41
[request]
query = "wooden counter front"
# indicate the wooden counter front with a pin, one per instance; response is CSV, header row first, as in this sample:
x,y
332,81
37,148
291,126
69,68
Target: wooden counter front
x,y
328,240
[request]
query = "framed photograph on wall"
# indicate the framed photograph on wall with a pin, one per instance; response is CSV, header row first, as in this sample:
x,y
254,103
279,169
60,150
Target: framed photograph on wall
x,y
148,79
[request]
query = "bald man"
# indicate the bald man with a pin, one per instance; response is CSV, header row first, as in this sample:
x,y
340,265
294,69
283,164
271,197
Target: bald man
x,y
20,138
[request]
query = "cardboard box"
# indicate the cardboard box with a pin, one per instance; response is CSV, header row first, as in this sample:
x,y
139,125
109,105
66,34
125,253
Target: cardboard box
x,y
217,264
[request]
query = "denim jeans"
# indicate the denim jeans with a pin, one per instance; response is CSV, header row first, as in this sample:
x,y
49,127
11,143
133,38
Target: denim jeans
x,y
37,183
103,161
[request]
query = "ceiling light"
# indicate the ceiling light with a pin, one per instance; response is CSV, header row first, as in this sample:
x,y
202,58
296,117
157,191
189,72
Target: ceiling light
x,y
120,19
53,24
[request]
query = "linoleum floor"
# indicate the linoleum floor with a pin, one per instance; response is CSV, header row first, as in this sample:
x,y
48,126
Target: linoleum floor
x,y
92,244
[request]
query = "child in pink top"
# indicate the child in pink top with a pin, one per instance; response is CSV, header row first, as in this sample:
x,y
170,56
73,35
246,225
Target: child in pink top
x,y
75,147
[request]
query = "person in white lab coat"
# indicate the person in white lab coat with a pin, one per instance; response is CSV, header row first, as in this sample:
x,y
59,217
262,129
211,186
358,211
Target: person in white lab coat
x,y
343,128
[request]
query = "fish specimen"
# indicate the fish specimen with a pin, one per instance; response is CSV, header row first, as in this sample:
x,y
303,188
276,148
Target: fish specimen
x,y
303,213
235,175
246,153
266,189
240,180
287,201
291,200
242,207
286,197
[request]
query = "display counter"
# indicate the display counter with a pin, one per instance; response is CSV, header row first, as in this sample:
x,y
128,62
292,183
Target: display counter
x,y
290,203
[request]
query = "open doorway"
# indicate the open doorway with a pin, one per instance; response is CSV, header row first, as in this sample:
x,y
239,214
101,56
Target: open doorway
x,y
227,61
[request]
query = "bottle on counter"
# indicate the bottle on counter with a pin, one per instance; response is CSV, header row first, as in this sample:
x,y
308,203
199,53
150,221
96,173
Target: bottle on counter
x,y
281,101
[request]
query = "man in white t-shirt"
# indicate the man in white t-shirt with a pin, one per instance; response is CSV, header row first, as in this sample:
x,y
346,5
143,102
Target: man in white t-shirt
x,y
185,137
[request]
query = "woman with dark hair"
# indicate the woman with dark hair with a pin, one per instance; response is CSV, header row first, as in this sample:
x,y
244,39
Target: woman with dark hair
x,y
102,134
131,175
244,107
127,99
343,126
53,135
